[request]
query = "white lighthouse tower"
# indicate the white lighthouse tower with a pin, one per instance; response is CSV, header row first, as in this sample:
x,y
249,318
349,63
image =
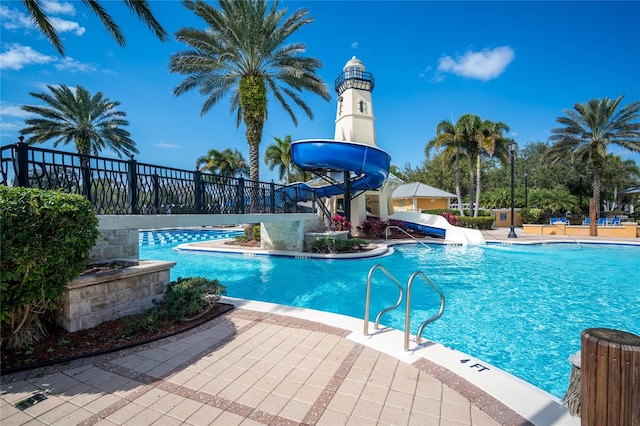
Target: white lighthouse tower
x,y
354,117
355,123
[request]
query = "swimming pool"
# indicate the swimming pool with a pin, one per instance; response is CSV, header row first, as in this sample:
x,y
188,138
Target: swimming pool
x,y
519,307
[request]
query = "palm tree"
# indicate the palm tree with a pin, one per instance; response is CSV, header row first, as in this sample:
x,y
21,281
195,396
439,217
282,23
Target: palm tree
x,y
91,122
244,52
589,130
449,136
140,7
279,155
490,142
229,163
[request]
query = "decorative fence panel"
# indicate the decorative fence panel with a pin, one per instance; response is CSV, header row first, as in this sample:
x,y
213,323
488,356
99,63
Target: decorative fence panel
x,y
117,186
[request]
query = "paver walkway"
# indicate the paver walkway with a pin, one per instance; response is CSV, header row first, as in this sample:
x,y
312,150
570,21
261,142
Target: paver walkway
x,y
248,367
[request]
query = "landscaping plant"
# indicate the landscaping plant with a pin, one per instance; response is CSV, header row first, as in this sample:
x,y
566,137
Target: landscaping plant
x,y
46,238
189,297
339,245
340,223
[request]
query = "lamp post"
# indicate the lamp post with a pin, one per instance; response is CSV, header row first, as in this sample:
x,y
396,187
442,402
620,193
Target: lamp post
x,y
512,151
526,198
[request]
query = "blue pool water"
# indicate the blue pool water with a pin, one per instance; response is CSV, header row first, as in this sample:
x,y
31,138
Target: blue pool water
x,y
520,308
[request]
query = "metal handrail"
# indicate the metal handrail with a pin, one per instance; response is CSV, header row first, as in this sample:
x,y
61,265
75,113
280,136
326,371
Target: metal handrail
x,y
386,235
367,304
564,232
407,320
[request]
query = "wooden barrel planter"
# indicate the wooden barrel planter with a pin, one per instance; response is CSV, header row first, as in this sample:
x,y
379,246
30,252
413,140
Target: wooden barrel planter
x,y
610,376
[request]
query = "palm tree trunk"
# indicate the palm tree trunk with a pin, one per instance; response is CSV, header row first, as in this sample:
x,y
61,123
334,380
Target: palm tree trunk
x,y
597,187
475,212
471,189
83,146
458,189
254,104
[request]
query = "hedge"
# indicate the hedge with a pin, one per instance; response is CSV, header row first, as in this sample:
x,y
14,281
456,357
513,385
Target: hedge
x,y
46,238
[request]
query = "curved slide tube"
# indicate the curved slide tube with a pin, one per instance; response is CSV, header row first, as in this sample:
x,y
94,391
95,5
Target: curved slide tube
x,y
369,165
437,226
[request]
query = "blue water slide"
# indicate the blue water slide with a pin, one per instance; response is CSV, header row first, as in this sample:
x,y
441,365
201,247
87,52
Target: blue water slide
x,y
368,166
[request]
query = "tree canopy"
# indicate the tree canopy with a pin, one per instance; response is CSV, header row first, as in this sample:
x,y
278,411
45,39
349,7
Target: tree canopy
x,y
245,52
140,7
92,123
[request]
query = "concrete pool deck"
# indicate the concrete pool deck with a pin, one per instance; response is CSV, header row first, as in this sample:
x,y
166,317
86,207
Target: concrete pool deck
x,y
270,364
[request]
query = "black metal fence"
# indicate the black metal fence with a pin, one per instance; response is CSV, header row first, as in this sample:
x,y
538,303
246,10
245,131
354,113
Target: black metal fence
x,y
117,186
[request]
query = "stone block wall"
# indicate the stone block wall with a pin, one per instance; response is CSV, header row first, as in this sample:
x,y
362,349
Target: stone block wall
x,y
105,296
115,244
282,235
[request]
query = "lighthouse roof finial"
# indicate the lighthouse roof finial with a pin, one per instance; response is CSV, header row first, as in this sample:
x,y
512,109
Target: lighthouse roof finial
x,y
354,63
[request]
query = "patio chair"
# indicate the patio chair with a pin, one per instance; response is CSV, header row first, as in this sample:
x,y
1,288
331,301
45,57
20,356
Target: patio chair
x,y
586,221
616,221
602,221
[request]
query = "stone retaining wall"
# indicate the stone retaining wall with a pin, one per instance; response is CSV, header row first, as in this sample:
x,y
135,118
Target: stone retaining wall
x,y
105,296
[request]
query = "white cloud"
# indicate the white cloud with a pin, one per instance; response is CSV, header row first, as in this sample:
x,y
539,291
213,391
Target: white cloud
x,y
69,64
16,56
64,26
484,65
13,19
58,8
166,145
354,45
12,110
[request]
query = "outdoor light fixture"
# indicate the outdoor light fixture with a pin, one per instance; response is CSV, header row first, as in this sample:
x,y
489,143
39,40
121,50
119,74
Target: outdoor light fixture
x,y
526,198
512,150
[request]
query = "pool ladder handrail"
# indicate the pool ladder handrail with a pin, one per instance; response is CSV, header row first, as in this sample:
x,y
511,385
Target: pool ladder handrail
x,y
407,318
367,303
407,326
386,235
564,232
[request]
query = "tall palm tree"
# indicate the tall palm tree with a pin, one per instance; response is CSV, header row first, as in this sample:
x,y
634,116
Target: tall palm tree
x,y
449,136
245,52
91,122
588,131
140,7
490,142
229,163
278,155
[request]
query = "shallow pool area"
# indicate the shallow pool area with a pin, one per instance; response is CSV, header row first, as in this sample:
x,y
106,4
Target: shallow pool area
x,y
519,307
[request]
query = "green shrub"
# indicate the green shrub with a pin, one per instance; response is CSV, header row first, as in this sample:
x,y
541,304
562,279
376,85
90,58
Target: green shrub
x,y
255,233
251,233
531,215
480,222
46,238
332,245
349,244
190,297
150,320
438,211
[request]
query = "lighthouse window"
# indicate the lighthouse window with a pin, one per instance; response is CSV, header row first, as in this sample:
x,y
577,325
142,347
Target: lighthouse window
x,y
362,107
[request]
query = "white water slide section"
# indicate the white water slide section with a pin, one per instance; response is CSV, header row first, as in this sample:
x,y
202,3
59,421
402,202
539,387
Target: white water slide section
x,y
432,224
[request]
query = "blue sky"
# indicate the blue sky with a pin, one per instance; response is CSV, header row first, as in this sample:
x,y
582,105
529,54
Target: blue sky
x,y
521,63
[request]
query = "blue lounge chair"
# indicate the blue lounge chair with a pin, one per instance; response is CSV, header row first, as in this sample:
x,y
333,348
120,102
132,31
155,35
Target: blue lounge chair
x,y
602,221
586,221
616,221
